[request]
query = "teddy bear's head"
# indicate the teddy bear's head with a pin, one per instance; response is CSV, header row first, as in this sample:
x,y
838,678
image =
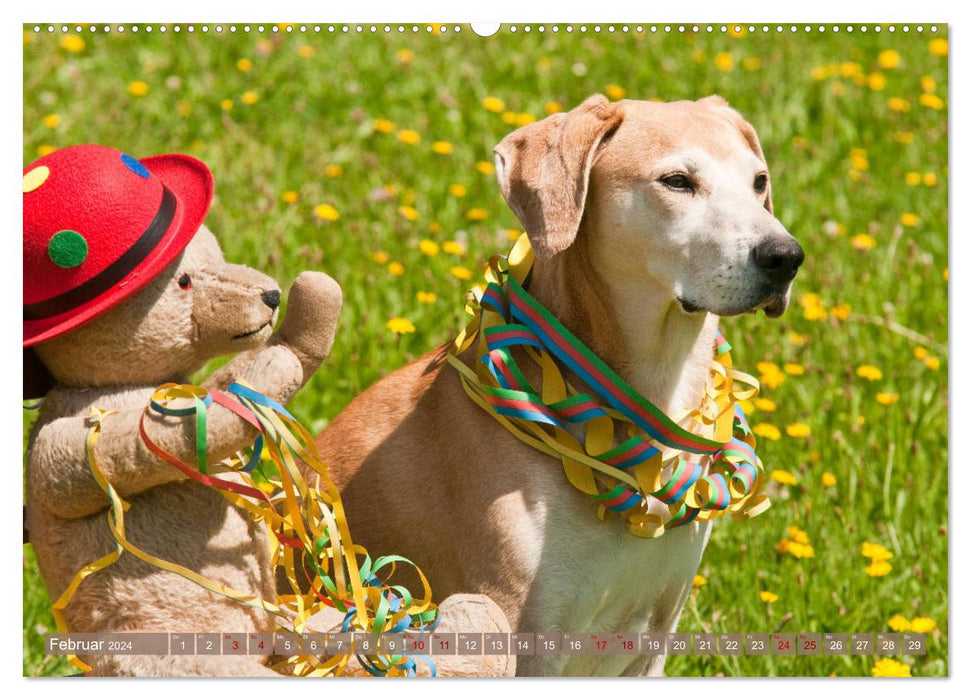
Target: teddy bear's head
x,y
198,308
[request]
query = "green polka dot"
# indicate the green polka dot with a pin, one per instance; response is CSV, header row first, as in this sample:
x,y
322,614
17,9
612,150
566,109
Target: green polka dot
x,y
67,249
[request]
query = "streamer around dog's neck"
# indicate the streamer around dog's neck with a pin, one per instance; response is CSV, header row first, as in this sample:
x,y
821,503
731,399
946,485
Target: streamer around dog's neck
x,y
633,453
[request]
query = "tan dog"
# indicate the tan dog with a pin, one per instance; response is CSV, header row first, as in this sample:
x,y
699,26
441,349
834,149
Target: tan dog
x,y
200,307
649,221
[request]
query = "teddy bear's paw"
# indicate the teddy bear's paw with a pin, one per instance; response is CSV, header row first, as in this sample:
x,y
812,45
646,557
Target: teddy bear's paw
x,y
311,319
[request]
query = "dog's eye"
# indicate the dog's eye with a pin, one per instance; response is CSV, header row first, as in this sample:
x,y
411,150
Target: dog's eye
x,y
678,182
761,180
185,281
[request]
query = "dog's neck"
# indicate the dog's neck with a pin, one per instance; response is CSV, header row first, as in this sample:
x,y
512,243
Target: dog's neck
x,y
663,352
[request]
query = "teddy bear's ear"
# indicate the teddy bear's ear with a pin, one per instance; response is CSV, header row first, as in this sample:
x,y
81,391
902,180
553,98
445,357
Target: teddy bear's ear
x,y
37,380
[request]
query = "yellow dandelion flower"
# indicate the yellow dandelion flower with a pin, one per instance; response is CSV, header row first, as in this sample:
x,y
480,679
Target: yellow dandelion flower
x,y
932,101
699,581
443,148
794,369
428,247
858,158
434,227
512,234
863,241
798,535
462,273
797,338
476,214
920,352
453,248
912,178
874,551
888,59
850,69
249,98
524,118
737,30
938,47
780,475
904,136
508,117
840,311
724,61
769,374
878,568
768,596
244,64
306,51
183,108
427,297
899,623
909,219
138,88
72,43
932,362
399,326
226,105
890,668
380,257
409,136
928,84
44,149
327,212
493,104
898,104
800,550
552,107
887,399
930,179
485,167
869,372
396,269
797,430
409,213
289,196
819,72
333,171
746,406
944,274
51,121
385,126
763,404
922,624
751,62
876,81
615,92
457,190
404,56
828,479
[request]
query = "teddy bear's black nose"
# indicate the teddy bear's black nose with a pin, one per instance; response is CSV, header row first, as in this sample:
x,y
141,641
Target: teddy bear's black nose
x,y
271,298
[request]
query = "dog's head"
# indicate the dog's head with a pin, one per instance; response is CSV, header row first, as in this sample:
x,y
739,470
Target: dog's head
x,y
674,194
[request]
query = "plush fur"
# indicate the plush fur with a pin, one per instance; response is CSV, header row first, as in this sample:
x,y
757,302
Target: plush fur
x,y
200,307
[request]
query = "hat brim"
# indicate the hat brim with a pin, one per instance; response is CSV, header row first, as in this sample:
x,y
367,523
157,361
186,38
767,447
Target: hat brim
x,y
191,182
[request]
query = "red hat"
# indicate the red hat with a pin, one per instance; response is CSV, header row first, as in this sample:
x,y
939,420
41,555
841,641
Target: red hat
x,y
98,226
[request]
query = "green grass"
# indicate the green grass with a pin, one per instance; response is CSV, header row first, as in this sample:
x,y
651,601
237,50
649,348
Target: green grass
x,y
315,111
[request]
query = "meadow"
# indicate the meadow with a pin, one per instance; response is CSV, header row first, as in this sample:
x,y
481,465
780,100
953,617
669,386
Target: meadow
x,y
369,156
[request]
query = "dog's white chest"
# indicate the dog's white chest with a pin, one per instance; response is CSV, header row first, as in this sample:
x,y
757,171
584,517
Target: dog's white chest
x,y
596,577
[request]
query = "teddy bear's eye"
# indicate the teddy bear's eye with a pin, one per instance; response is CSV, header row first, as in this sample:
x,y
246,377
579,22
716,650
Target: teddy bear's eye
x,y
185,282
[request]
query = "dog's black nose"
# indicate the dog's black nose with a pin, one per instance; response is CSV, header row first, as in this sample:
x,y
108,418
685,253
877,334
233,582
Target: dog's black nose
x,y
779,258
271,298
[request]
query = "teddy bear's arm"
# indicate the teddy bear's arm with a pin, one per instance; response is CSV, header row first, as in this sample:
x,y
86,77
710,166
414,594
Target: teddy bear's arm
x,y
64,482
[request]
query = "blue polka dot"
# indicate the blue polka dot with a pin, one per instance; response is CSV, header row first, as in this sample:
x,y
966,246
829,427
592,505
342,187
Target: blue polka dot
x,y
133,165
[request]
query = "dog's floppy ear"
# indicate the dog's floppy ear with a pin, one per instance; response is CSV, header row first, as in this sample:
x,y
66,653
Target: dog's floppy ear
x,y
748,133
543,170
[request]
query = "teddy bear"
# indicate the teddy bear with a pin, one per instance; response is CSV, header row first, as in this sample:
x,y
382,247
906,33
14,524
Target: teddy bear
x,y
125,289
